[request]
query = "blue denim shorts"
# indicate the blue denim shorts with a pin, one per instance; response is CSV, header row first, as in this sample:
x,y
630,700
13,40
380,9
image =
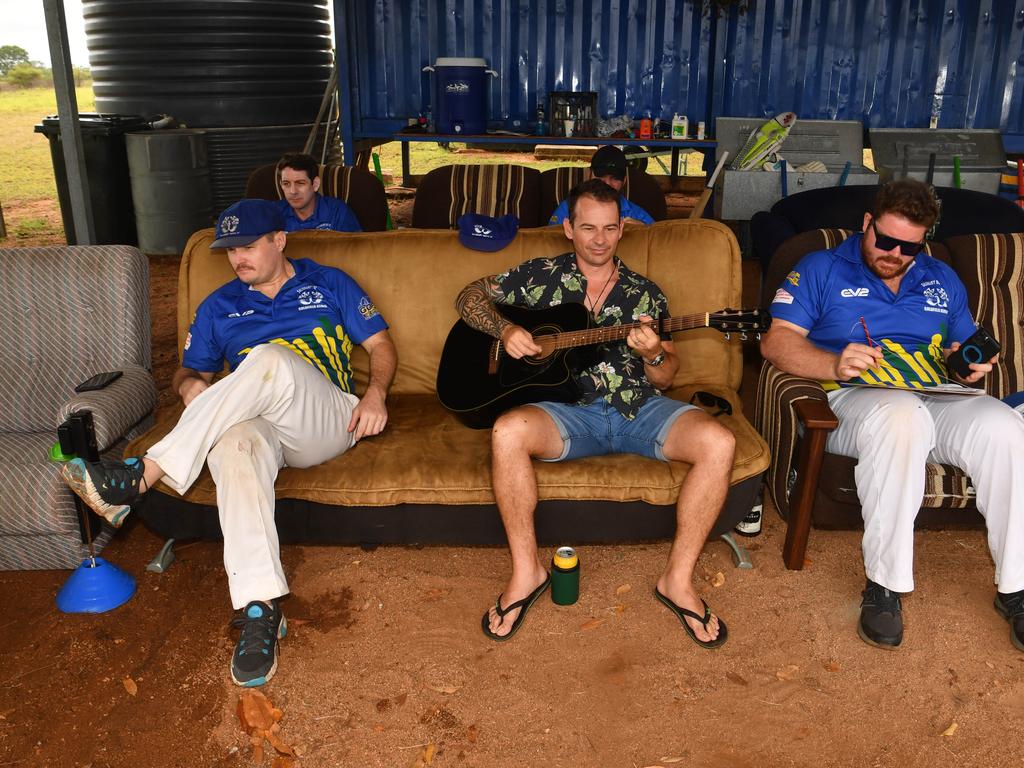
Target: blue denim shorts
x,y
597,428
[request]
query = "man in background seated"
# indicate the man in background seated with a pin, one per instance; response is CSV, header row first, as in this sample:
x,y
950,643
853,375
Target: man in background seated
x,y
286,328
609,165
303,207
878,310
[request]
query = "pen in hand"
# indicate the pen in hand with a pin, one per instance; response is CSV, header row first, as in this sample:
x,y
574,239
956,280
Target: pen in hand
x,y
867,335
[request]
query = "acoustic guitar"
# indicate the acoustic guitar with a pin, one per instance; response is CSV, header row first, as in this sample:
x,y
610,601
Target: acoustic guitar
x,y
477,380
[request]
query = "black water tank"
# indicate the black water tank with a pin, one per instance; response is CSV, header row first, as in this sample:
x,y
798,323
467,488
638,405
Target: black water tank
x,y
210,62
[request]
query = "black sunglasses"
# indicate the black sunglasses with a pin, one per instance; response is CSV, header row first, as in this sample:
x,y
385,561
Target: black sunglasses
x,y
886,243
712,401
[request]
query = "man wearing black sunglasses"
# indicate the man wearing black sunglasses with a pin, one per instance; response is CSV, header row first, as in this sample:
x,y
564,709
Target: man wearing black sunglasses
x,y
877,310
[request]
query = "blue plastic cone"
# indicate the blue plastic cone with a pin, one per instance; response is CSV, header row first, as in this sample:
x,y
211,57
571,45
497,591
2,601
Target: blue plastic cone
x,y
95,586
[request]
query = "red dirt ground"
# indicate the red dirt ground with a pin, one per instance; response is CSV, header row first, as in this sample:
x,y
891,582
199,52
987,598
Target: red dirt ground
x,y
385,664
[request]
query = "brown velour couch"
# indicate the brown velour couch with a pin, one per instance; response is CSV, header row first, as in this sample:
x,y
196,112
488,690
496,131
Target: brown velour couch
x,y
805,481
427,478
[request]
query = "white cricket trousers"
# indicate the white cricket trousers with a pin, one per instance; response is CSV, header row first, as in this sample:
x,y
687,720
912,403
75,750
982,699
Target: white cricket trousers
x,y
274,410
892,434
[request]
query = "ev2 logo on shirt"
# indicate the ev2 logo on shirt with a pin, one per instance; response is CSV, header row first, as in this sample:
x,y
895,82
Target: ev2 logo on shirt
x,y
853,293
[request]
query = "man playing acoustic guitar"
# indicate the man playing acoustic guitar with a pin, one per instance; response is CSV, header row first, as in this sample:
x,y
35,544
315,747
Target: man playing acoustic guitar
x,y
621,409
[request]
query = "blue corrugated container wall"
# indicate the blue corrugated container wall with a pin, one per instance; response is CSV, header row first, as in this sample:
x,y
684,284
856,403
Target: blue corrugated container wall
x,y
891,63
888,63
637,54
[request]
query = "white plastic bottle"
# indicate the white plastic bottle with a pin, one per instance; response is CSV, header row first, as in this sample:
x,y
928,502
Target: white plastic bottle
x,y
680,126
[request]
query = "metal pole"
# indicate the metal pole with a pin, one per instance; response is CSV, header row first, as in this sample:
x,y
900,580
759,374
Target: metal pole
x,y
3,226
70,130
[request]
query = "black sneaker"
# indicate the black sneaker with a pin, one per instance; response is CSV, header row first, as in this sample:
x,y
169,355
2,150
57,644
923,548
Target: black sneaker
x,y
1011,608
881,617
255,659
108,487
751,524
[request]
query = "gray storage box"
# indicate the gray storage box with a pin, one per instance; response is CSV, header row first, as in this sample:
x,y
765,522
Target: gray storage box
x,y
741,194
904,152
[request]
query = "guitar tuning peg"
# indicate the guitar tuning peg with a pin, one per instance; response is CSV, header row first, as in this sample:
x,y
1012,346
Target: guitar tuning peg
x,y
757,336
728,335
743,336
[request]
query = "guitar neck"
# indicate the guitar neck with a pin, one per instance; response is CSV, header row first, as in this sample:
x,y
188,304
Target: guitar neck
x,y
568,339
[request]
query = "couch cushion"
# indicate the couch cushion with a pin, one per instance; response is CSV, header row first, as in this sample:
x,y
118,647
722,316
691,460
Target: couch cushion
x,y
453,465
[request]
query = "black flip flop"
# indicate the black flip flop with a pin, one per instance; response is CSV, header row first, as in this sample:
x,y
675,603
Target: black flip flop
x,y
681,613
525,604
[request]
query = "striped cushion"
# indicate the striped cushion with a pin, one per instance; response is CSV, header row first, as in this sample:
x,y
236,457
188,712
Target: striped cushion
x,y
992,268
491,190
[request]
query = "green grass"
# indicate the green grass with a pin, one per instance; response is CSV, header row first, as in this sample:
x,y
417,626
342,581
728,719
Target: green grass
x,y
26,170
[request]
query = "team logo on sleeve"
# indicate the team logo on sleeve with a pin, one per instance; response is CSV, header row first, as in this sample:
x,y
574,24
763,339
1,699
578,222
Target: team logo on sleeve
x,y
794,278
367,309
782,296
188,341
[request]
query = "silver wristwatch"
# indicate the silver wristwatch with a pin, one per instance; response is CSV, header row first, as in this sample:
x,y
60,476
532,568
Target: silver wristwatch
x,y
657,360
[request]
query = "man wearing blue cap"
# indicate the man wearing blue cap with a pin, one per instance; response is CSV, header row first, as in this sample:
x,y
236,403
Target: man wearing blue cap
x,y
621,409
609,165
286,329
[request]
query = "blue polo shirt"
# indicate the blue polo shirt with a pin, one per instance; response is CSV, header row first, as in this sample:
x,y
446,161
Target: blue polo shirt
x,y
328,213
829,291
319,314
629,211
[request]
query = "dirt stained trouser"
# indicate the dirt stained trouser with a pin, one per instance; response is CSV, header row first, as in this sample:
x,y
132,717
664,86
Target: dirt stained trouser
x,y
893,434
274,410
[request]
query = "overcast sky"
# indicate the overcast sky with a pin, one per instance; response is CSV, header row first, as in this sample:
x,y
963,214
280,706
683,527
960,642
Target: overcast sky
x,y
22,23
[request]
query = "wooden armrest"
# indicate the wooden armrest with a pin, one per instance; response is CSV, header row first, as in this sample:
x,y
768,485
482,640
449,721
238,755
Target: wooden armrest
x,y
815,414
818,420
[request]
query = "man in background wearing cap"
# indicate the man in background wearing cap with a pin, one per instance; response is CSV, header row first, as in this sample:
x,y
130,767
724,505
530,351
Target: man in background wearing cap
x,y
622,409
286,329
303,207
609,165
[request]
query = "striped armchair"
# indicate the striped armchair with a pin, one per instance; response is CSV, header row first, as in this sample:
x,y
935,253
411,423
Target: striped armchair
x,y
446,193
809,484
66,313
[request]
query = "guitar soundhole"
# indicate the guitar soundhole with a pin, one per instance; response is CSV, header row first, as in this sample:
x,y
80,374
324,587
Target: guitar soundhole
x,y
512,372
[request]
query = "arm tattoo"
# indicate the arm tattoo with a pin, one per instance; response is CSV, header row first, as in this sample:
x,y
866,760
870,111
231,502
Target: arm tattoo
x,y
475,304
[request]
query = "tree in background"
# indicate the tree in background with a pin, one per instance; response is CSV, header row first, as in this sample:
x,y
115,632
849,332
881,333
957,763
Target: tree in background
x,y
10,57
27,76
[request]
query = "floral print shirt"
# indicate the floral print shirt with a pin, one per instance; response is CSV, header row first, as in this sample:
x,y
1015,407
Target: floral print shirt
x,y
618,377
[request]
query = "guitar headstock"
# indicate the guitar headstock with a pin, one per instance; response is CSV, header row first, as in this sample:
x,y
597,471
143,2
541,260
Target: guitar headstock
x,y
742,321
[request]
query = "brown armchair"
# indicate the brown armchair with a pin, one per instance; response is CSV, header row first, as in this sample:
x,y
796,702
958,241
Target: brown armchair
x,y
807,483
359,189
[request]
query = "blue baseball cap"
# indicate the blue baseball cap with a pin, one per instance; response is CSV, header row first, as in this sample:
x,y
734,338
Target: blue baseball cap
x,y
486,233
245,221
